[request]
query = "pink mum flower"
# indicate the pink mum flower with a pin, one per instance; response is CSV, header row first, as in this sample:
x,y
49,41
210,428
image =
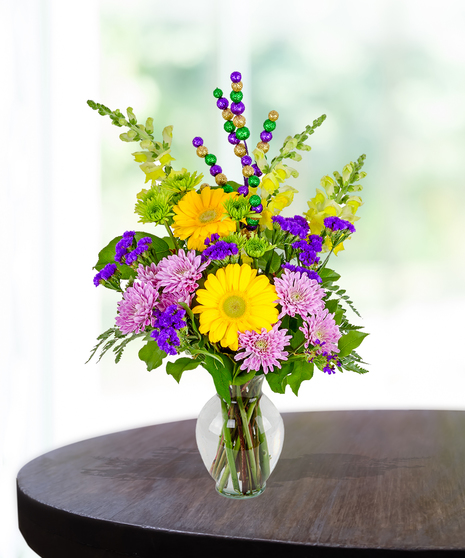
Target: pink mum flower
x,y
321,330
148,274
298,294
168,299
135,311
262,350
180,272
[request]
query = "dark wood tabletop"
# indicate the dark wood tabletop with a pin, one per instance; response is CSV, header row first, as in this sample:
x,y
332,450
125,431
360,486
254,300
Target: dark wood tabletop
x,y
348,483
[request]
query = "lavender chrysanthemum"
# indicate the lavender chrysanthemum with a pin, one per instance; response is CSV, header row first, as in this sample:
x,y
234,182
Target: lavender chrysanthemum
x,y
148,274
336,224
175,297
322,331
180,272
311,274
298,294
296,225
264,350
135,311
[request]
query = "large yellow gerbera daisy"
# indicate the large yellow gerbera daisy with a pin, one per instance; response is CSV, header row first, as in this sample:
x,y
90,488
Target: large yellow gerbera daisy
x,y
198,216
235,299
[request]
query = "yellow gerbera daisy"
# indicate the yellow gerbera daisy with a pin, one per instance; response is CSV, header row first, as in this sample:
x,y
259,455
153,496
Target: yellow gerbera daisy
x,y
198,216
235,299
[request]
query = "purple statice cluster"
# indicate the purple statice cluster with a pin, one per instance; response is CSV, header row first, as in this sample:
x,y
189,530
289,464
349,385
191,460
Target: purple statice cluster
x,y
309,249
142,246
299,269
167,324
296,225
336,224
211,239
104,274
220,251
123,245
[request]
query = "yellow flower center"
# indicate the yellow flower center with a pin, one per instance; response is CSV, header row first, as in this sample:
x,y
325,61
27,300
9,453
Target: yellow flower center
x,y
207,216
234,306
261,344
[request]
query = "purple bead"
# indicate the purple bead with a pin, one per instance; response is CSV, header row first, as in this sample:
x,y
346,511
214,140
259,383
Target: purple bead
x,y
236,77
251,227
243,190
266,136
232,138
257,208
257,170
246,160
216,169
197,142
222,103
237,108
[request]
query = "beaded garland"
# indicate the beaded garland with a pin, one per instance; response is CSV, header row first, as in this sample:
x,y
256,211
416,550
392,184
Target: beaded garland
x,y
238,133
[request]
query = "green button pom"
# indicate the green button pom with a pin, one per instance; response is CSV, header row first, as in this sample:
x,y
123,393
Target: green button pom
x,y
228,188
242,133
229,126
210,159
217,93
236,96
269,125
254,200
252,221
254,181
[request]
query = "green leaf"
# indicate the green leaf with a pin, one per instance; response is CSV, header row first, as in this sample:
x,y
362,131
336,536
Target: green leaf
x,y
243,377
176,368
221,373
297,338
277,380
328,276
152,355
350,341
301,371
273,266
331,305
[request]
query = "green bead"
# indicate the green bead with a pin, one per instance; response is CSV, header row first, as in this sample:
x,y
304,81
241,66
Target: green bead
x,y
229,126
210,159
236,96
218,93
254,181
228,188
242,133
252,221
269,125
254,200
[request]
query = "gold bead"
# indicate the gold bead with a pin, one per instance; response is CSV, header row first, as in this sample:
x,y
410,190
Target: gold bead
x,y
239,121
204,185
236,86
248,171
264,146
227,114
240,150
273,115
221,179
202,151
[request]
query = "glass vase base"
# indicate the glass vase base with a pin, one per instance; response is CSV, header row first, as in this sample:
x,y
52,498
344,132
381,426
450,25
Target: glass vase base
x,y
240,496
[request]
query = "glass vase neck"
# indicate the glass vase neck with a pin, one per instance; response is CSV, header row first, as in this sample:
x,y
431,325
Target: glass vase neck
x,y
249,390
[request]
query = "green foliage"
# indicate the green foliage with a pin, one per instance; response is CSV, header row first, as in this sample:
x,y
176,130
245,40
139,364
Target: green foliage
x,y
152,355
270,262
220,369
341,293
350,341
328,277
177,368
302,370
241,377
277,380
113,339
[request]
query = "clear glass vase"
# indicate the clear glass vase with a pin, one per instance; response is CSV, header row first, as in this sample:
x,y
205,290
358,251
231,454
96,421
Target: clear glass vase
x,y
240,442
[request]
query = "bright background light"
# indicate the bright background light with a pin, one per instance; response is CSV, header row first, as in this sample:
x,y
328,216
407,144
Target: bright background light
x,y
389,75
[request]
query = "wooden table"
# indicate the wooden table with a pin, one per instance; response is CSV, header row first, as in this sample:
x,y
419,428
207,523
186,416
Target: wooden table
x,y
352,483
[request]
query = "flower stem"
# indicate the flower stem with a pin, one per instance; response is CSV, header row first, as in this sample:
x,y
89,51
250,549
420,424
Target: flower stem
x,y
170,232
231,466
248,438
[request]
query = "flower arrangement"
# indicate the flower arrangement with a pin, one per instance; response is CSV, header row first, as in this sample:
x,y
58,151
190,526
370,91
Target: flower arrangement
x,y
234,286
